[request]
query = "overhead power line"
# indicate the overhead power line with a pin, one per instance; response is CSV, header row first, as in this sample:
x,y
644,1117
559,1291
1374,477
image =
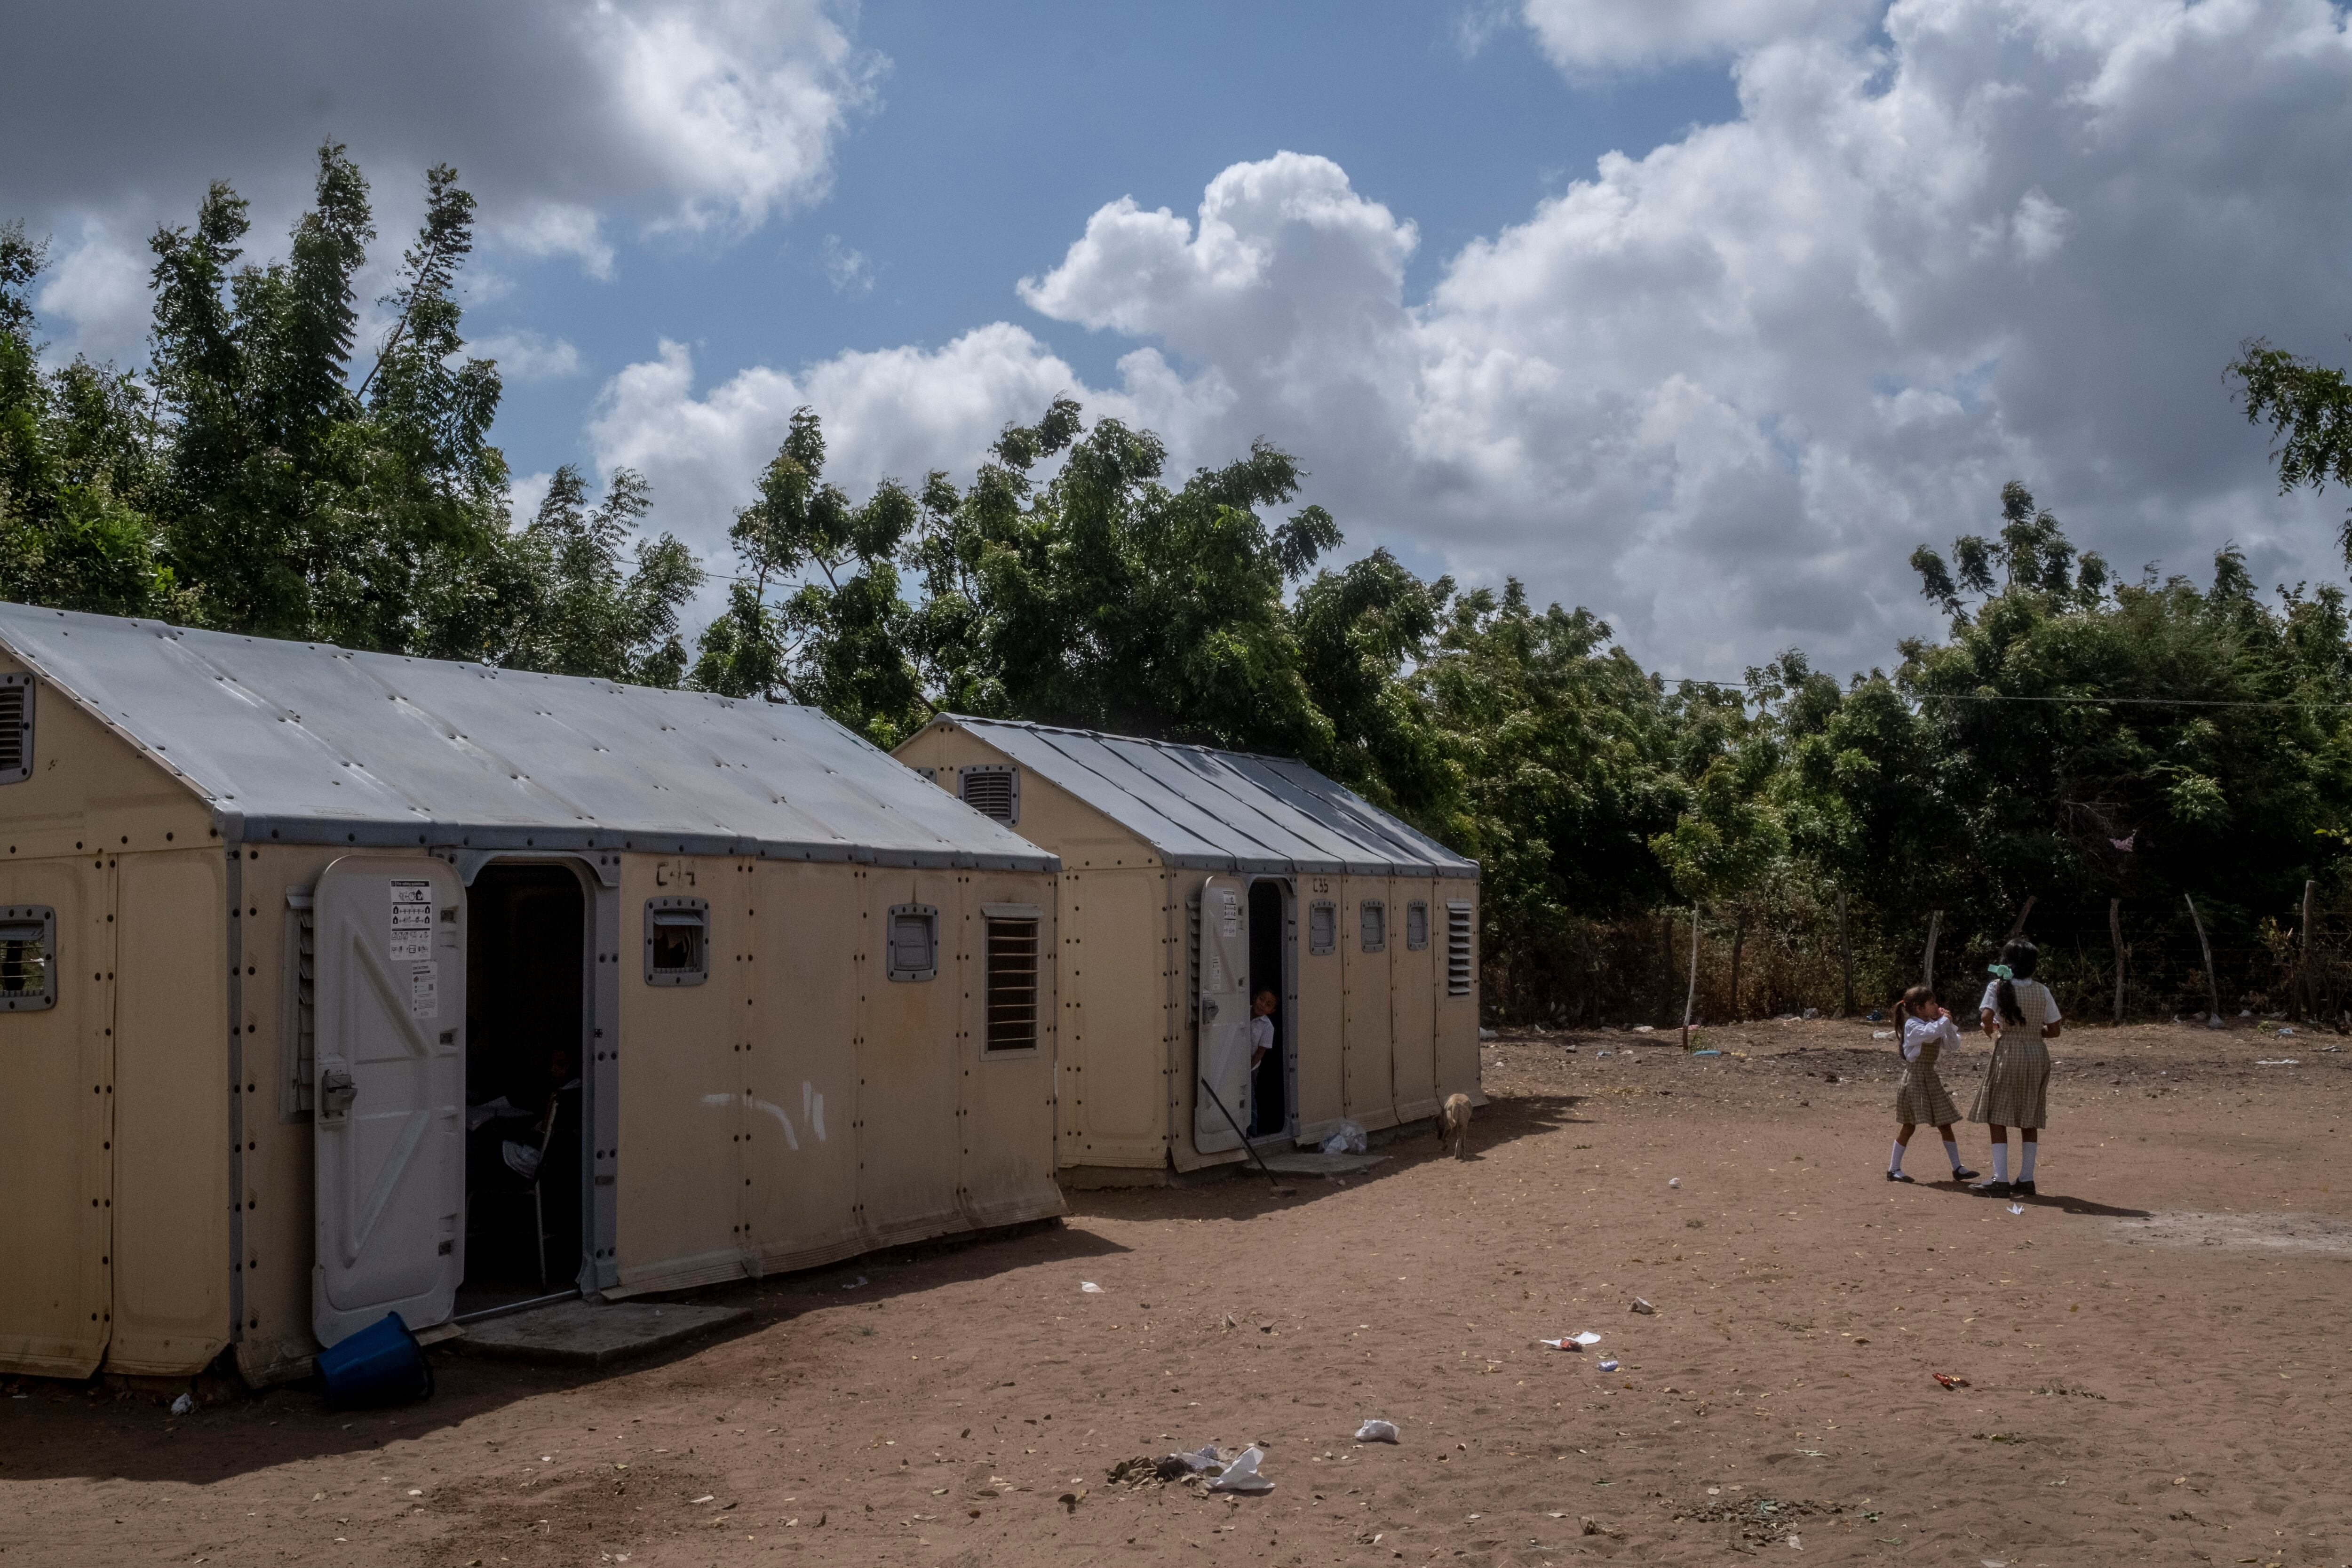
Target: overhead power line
x,y
2100,701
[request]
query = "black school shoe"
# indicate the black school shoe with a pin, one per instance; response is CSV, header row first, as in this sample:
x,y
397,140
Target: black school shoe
x,y
1897,1176
1962,1174
1991,1189
2020,1190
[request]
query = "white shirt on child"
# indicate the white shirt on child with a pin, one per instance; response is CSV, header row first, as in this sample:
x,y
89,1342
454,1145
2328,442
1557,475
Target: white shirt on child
x,y
1991,1003
1261,1034
1917,1032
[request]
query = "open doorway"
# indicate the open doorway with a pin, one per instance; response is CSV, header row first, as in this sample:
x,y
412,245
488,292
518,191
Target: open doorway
x,y
1270,1084
525,996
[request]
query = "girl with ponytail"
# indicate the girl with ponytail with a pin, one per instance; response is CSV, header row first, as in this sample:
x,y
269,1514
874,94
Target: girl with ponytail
x,y
2020,1013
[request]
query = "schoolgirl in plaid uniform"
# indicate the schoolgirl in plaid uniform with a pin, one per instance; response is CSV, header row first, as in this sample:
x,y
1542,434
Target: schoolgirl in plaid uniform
x,y
1925,1030
2020,1013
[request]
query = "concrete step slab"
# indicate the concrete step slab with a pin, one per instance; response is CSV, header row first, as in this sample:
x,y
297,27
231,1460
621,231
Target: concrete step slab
x,y
592,1333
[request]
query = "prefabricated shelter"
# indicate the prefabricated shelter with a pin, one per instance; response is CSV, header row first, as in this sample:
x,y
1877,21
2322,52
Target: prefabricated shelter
x,y
286,930
1191,881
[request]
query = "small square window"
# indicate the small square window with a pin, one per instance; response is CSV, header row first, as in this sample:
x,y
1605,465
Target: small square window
x,y
1373,926
914,942
992,789
1322,926
677,941
1416,924
29,945
1012,978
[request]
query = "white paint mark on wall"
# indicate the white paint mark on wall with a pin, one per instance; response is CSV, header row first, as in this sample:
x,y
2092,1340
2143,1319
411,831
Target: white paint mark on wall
x,y
813,1108
792,1139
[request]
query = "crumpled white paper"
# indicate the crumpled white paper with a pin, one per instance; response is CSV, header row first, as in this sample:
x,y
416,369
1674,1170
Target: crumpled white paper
x,y
1242,1476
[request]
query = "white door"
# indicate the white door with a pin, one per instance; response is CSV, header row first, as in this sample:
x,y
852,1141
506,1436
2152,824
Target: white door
x,y
390,1128
1225,1052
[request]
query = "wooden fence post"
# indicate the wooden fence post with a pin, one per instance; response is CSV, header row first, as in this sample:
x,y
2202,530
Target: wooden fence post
x,y
1845,958
2213,985
2303,958
1934,923
1690,999
2115,935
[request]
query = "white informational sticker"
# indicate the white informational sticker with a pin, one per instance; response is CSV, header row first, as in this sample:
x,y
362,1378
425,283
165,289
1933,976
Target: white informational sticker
x,y
412,920
424,990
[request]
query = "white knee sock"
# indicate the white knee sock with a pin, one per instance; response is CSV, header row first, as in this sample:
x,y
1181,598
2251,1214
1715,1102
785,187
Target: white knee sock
x,y
2025,1161
1894,1161
2001,1161
1952,1152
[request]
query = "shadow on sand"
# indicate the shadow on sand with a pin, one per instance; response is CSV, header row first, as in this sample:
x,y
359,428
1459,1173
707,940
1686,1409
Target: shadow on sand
x,y
74,1430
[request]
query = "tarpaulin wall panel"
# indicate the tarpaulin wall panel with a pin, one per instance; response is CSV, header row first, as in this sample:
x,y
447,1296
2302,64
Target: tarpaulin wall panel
x,y
683,1073
809,934
57,1081
171,1254
1006,1174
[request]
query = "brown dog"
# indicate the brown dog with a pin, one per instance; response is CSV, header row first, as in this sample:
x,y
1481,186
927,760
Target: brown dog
x,y
1453,1126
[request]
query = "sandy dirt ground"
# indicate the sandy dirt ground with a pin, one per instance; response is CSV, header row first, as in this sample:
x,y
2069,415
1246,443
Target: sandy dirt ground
x,y
2153,1351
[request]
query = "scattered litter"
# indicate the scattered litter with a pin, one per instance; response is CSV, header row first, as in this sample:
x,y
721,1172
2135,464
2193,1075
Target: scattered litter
x,y
707,1496
1242,1476
1377,1432
1675,1182
1608,1364
2279,1062
1346,1138
1485,1033
1642,1307
1994,1562
1204,1458
1645,1028
1597,1055
1090,1287
2017,1208
1795,1545
2245,1013
1882,1034
1873,1017
2286,1028
1813,1012
182,1405
854,1284
1706,1052
1948,1381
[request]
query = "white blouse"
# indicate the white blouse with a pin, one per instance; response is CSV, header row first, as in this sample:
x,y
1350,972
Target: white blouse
x,y
1991,1003
1917,1032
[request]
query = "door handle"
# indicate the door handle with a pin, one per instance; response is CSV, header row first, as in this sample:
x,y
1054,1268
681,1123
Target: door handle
x,y
337,1090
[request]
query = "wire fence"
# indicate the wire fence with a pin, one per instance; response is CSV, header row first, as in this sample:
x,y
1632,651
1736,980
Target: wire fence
x,y
1778,955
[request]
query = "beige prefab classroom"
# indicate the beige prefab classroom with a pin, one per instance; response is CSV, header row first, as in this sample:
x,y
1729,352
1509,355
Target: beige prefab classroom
x,y
267,909
1191,879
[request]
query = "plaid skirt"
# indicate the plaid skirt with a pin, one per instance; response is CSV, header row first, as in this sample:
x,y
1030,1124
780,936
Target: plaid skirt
x,y
1921,1099
2016,1087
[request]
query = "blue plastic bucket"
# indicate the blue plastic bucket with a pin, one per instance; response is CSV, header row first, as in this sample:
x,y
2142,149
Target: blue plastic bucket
x,y
381,1364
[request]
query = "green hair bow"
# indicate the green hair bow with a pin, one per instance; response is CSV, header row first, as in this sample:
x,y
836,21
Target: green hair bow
x,y
2000,968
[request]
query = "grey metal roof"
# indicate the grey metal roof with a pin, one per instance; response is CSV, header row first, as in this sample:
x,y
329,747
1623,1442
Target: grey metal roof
x,y
306,743
1223,811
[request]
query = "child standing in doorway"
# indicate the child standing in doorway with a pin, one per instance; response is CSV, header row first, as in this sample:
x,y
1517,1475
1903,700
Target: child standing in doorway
x,y
2020,1013
1926,1029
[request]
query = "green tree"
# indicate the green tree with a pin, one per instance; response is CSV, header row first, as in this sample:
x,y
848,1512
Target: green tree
x,y
589,602
76,467
2308,406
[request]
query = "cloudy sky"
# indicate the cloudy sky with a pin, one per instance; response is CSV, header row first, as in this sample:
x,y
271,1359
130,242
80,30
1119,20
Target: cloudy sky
x,y
1700,313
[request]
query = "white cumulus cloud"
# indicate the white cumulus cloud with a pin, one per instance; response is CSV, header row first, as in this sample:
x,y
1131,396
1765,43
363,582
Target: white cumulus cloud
x,y
1718,391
